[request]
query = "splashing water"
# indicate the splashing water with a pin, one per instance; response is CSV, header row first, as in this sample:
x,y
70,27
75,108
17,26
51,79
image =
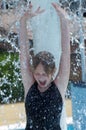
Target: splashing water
x,y
10,56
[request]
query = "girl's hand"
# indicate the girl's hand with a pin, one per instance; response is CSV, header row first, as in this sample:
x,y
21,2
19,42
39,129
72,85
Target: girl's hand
x,y
29,14
61,12
10,18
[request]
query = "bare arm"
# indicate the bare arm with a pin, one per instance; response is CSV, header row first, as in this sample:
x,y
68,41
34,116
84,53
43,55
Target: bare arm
x,y
64,70
27,75
24,57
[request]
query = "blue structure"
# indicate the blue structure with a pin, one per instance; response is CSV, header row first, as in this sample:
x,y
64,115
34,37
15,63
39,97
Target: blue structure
x,y
78,91
70,127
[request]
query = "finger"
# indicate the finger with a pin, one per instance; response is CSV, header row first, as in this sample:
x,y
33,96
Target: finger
x,y
30,8
39,10
54,5
59,10
57,7
30,4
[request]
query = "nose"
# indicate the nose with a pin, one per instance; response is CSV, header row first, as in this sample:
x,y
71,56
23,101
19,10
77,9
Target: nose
x,y
41,77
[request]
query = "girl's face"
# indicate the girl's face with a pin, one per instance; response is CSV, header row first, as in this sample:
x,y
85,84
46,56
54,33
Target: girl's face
x,y
42,78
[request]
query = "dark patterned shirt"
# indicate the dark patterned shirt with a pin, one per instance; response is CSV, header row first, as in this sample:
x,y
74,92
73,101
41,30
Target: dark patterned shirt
x,y
43,109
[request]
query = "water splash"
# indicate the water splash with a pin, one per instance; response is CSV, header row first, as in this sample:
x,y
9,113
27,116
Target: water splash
x,y
10,37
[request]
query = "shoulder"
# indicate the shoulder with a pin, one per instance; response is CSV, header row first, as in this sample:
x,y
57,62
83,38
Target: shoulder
x,y
31,90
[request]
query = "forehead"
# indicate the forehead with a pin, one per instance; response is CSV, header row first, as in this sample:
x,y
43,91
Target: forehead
x,y
39,68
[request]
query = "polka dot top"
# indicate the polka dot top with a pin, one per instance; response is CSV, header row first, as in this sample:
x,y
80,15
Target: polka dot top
x,y
43,109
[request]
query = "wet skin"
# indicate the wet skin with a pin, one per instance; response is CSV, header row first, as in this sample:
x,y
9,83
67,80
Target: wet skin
x,y
42,78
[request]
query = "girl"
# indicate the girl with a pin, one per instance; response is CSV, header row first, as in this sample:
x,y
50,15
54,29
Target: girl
x,y
44,96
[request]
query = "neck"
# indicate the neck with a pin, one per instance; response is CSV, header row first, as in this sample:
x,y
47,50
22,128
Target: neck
x,y
43,89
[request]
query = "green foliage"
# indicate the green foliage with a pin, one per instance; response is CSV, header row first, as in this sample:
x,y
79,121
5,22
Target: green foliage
x,y
11,87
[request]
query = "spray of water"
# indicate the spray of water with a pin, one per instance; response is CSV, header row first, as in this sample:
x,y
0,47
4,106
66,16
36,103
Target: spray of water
x,y
11,11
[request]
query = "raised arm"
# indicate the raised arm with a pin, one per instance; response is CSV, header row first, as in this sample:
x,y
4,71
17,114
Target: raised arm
x,y
24,56
64,69
27,75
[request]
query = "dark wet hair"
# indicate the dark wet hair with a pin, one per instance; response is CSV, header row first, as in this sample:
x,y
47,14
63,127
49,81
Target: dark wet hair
x,y
46,59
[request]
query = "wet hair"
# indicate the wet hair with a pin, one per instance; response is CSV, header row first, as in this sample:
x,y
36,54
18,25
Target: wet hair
x,y
46,59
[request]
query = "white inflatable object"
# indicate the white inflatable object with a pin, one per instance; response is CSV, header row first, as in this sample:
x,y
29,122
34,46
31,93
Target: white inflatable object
x,y
46,30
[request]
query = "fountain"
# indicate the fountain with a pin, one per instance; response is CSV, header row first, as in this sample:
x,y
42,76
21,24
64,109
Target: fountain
x,y
9,56
79,88
78,73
